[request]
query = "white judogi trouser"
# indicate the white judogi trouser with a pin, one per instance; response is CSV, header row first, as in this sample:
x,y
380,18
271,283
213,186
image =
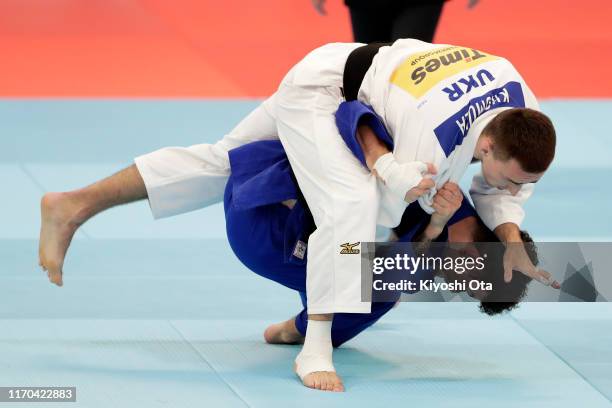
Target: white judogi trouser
x,y
183,179
341,193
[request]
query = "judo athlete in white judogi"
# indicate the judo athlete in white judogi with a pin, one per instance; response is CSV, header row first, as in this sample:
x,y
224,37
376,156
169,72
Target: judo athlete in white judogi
x,y
434,101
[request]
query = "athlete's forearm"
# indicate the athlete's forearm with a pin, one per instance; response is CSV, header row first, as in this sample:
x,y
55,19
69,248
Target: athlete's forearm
x,y
508,232
432,232
425,238
371,145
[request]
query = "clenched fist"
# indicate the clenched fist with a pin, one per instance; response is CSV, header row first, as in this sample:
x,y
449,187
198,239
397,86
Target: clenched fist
x,y
446,202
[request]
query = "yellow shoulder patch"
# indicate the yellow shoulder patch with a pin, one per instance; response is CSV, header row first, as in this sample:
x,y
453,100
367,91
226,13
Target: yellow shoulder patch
x,y
422,71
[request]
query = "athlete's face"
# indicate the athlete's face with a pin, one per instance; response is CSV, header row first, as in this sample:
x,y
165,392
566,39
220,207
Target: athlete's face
x,y
506,174
466,232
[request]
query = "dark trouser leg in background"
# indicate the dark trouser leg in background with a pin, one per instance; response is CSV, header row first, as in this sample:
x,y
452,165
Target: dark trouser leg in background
x,y
370,24
418,20
389,20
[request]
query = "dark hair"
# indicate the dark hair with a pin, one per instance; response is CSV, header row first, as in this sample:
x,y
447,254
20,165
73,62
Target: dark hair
x,y
525,135
497,301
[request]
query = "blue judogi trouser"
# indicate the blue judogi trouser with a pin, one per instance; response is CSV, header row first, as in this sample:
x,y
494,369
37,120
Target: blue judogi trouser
x,y
256,236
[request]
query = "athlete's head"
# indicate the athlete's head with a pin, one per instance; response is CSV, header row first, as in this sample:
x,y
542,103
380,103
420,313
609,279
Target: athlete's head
x,y
516,147
503,296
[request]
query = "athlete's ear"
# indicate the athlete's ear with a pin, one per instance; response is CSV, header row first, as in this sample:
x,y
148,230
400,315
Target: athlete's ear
x,y
485,145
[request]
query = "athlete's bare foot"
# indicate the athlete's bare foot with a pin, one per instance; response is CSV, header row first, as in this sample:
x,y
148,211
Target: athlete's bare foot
x,y
283,333
59,221
322,380
286,333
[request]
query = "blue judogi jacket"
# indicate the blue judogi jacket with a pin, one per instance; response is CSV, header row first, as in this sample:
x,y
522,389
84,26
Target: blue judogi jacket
x,y
261,175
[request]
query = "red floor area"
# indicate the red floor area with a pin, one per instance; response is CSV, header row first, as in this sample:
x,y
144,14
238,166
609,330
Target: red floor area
x,y
206,48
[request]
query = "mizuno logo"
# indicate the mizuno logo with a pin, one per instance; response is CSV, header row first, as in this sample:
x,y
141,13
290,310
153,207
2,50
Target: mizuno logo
x,y
349,248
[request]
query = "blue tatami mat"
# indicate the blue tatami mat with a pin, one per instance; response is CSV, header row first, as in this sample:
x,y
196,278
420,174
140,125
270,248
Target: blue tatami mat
x,y
184,363
154,313
19,205
583,344
432,362
162,314
139,279
125,363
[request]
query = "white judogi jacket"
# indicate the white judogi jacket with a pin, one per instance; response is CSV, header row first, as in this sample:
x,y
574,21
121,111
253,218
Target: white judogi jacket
x,y
435,100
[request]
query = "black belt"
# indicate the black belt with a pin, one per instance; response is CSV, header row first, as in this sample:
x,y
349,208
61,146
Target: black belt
x,y
357,64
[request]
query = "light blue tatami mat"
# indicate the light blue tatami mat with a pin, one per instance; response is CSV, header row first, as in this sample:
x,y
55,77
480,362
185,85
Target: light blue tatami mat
x,y
161,314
